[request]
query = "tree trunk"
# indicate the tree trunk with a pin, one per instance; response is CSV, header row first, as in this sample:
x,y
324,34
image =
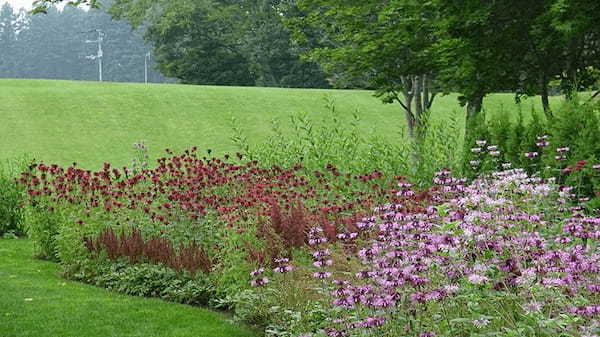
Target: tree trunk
x,y
418,96
545,99
418,93
474,106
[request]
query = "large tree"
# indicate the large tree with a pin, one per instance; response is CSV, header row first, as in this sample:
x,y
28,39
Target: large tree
x,y
222,42
520,47
577,24
388,44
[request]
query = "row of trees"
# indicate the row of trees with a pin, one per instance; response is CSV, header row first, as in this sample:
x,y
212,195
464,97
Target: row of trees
x,y
411,50
53,46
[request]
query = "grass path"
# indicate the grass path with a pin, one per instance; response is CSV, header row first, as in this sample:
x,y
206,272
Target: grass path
x,y
36,302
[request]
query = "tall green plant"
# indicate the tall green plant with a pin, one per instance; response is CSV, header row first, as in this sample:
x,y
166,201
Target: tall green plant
x,y
11,196
576,130
354,149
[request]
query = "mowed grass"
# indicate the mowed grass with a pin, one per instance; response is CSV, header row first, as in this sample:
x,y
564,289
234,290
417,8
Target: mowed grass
x,y
36,302
89,123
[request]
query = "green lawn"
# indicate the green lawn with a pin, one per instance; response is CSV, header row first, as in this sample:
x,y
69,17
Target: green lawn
x,y
89,123
36,302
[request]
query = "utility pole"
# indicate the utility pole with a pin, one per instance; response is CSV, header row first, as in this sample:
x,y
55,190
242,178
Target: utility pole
x,y
146,58
99,55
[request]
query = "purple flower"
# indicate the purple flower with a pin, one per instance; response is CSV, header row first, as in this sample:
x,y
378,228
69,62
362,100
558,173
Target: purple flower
x,y
259,282
428,334
283,269
533,306
481,323
282,260
322,274
477,279
322,263
257,272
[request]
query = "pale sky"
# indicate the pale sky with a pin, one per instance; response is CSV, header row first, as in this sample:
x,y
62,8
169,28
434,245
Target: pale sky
x,y
18,3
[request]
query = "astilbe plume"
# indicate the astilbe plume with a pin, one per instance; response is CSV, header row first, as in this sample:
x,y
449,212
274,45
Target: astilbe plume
x,y
190,257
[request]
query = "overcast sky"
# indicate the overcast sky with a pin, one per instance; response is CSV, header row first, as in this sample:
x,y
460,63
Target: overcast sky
x,y
18,3
21,3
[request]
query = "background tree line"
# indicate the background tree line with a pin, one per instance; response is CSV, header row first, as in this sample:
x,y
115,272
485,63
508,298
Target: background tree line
x,y
196,42
53,46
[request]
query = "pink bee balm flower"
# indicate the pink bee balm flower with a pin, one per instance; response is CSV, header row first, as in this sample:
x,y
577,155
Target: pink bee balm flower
x,y
259,282
477,279
322,274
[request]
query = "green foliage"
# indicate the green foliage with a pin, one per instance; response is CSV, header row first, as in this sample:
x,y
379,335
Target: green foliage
x,y
233,271
380,42
43,225
221,42
147,280
514,134
355,149
577,126
11,196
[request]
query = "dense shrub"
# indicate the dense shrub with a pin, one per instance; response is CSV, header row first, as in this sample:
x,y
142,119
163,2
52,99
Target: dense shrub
x,y
575,131
320,248
11,196
508,136
566,147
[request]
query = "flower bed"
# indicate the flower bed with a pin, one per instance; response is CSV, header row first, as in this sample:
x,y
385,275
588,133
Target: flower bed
x,y
328,253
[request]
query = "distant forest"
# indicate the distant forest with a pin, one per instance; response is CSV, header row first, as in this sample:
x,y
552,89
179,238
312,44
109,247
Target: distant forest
x,y
53,46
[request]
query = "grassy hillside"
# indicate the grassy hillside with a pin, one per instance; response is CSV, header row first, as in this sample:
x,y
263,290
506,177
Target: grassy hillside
x,y
89,122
